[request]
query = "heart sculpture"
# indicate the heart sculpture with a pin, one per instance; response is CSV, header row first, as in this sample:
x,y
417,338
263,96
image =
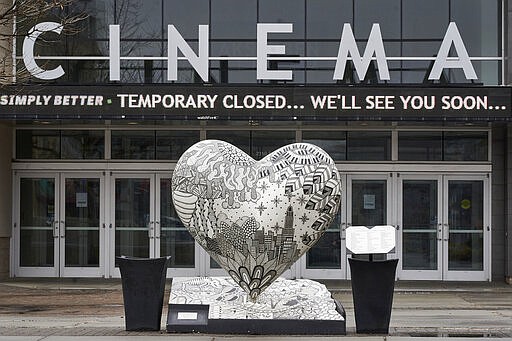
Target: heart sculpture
x,y
255,218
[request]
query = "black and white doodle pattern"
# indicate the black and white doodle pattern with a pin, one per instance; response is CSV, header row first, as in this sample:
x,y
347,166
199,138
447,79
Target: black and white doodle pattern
x,y
302,299
255,218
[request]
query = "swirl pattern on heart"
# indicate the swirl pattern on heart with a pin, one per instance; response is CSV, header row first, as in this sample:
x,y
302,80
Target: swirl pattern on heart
x,y
255,218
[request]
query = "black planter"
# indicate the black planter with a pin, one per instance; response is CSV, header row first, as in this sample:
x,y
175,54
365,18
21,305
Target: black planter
x,y
143,291
373,283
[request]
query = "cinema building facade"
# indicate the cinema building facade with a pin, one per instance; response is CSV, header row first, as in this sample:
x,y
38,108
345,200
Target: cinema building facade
x,y
410,98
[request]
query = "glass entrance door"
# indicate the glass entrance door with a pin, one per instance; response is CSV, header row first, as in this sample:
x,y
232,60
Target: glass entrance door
x,y
466,228
58,225
369,199
131,226
145,224
444,224
81,225
326,259
420,242
171,236
37,225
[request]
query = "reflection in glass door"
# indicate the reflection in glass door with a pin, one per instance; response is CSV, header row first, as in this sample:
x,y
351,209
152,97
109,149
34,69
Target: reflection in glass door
x,y
80,231
171,236
369,202
132,212
420,241
38,233
324,259
466,221
147,226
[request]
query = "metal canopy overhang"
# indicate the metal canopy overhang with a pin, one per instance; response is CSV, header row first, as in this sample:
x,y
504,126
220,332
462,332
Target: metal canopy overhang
x,y
256,102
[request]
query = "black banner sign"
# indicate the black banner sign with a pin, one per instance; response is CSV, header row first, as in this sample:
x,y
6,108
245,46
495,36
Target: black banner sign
x,y
256,102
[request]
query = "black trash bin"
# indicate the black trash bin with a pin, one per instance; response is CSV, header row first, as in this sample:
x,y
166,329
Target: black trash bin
x,y
373,283
143,291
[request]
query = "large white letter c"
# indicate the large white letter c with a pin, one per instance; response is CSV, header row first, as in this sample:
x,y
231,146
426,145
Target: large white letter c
x,y
28,51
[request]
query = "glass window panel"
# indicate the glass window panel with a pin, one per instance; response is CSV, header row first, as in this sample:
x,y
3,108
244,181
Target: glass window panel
x,y
265,142
132,201
478,23
142,48
37,202
465,206
37,216
465,146
82,222
175,240
333,142
418,71
36,248
384,12
82,248
325,18
255,143
83,144
186,16
84,72
465,221
419,203
240,139
100,14
424,19
38,144
326,253
369,202
82,203
237,71
234,49
488,73
170,145
320,76
368,145
322,49
132,144
139,19
420,146
293,49
283,11
231,19
465,252
419,251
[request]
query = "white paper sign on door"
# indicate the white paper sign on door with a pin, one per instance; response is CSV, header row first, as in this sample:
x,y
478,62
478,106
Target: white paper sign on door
x,y
364,240
81,199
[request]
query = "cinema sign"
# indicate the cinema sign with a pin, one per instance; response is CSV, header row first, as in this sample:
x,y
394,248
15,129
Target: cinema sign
x,y
348,50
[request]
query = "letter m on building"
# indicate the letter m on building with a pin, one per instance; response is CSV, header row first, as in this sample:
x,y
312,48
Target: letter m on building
x,y
348,46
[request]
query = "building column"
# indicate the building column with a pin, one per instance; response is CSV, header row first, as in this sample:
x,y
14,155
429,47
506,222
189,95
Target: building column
x,y
6,197
508,210
5,155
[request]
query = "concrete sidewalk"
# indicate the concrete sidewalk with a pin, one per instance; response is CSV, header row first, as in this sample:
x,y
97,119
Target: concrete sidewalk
x,y
66,309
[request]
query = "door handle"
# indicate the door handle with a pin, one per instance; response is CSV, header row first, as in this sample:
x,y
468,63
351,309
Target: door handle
x,y
446,232
62,229
151,228
55,229
157,229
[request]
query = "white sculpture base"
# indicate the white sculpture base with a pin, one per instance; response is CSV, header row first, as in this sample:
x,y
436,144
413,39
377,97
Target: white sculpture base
x,y
218,305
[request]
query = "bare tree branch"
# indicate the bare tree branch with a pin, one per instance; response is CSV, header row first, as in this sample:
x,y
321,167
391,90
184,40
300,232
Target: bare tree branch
x,y
18,16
